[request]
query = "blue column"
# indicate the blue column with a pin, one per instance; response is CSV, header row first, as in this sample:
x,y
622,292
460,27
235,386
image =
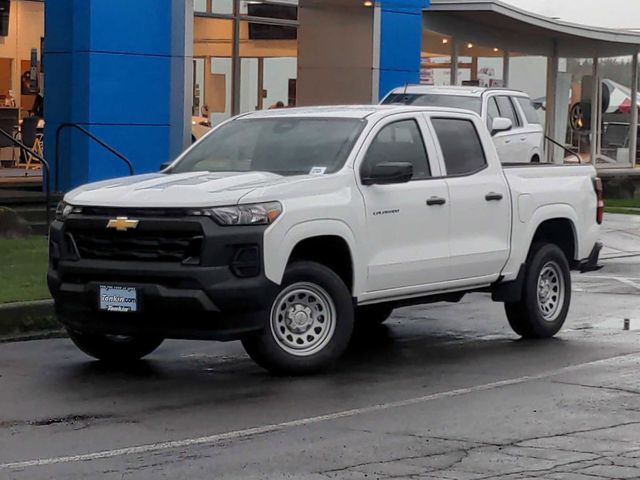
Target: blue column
x,y
400,43
117,68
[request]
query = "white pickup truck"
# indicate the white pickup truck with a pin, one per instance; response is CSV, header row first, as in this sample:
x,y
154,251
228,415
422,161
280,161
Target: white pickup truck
x,y
284,228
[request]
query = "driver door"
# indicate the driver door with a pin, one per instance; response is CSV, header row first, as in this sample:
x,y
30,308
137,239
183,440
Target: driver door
x,y
407,224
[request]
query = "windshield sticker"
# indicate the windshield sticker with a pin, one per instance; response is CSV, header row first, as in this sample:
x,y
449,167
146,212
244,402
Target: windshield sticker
x,y
318,171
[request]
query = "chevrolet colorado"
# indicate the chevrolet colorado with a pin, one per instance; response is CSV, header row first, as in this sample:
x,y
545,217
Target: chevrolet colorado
x,y
284,228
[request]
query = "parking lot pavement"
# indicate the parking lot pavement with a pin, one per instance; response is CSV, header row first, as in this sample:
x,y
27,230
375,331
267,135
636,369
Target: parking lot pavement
x,y
622,234
442,391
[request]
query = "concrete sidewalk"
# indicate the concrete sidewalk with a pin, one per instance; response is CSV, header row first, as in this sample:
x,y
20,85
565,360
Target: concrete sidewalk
x,y
621,235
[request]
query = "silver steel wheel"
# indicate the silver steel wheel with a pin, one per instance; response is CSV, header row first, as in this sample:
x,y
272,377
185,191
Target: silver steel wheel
x,y
551,291
303,319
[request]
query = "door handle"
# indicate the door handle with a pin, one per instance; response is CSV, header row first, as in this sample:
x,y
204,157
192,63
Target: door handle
x,y
436,201
507,141
493,197
523,139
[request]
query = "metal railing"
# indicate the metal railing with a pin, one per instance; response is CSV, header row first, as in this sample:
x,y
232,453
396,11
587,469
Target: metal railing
x,y
564,147
45,164
107,147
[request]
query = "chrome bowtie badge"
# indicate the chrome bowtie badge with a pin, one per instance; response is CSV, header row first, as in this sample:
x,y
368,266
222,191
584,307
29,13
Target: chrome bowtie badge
x,y
123,224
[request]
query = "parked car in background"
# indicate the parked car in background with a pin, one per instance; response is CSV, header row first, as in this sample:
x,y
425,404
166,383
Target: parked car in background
x,y
282,228
523,143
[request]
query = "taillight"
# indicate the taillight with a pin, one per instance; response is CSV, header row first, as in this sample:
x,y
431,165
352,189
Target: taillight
x,y
597,183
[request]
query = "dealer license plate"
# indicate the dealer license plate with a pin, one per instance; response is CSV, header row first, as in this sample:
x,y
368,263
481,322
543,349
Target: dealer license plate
x,y
118,299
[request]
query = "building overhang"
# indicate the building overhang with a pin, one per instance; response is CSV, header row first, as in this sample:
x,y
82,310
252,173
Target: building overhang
x,y
498,24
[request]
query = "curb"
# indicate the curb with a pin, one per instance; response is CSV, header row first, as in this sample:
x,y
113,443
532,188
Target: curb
x,y
20,321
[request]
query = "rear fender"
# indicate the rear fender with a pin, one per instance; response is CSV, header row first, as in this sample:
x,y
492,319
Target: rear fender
x,y
525,230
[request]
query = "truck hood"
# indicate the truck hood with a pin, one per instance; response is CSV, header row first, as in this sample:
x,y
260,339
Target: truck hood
x,y
196,189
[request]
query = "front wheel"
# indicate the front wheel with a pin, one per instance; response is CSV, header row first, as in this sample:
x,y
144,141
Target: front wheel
x,y
310,322
546,294
114,348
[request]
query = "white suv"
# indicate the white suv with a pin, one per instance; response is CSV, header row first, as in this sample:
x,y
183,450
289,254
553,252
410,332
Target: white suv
x,y
523,143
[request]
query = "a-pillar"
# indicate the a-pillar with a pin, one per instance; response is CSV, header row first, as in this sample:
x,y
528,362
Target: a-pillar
x,y
120,69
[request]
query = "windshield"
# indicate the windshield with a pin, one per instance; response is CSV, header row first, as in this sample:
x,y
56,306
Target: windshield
x,y
283,145
433,100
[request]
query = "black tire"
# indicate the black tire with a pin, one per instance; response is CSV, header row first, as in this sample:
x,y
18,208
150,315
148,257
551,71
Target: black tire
x,y
527,317
272,348
373,314
535,159
114,349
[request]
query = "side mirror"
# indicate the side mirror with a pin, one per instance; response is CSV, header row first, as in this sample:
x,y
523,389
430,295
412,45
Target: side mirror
x,y
165,165
389,173
501,124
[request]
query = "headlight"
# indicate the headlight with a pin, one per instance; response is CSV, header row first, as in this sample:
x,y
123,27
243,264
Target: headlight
x,y
256,214
63,210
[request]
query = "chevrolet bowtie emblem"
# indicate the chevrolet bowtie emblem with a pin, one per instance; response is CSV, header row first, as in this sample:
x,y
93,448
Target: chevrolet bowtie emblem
x,y
122,224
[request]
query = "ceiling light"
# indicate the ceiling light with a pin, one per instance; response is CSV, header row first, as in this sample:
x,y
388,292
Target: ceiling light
x,y
496,49
445,41
469,45
368,3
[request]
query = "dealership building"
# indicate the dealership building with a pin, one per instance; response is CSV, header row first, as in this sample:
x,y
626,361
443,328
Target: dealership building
x,y
141,76
135,73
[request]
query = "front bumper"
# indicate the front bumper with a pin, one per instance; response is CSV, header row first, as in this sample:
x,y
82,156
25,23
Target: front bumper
x,y
210,298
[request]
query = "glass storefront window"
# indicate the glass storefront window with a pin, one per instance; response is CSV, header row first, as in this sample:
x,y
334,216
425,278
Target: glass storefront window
x,y
280,9
21,78
264,55
221,7
199,5
212,86
268,67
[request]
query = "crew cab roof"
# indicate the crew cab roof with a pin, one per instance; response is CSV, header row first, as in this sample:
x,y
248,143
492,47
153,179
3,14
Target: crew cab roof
x,y
447,90
346,111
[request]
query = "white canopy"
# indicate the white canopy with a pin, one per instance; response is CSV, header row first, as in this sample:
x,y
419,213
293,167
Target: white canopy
x,y
516,30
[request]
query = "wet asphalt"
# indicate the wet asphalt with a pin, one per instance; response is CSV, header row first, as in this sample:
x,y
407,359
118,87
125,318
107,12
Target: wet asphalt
x,y
442,391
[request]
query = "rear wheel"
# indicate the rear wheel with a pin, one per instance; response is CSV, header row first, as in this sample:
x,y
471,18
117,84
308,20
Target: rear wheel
x,y
114,348
373,314
546,294
310,322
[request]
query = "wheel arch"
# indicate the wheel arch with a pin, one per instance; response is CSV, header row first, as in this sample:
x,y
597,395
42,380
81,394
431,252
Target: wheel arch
x,y
329,242
332,251
559,230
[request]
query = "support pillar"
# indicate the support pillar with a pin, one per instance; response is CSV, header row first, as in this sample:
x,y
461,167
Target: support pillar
x,y
400,43
596,108
506,66
550,122
453,80
349,52
121,69
633,134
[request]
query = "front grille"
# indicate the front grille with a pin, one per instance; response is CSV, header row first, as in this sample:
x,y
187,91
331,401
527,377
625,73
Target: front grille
x,y
175,247
112,212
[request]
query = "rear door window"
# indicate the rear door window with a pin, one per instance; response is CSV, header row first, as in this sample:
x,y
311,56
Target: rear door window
x,y
460,145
